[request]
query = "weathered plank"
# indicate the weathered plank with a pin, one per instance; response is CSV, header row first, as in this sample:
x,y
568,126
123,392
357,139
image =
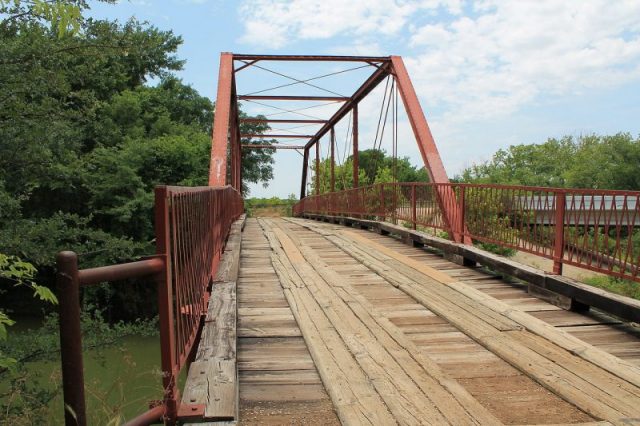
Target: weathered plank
x,y
455,403
595,398
620,306
604,360
351,392
213,383
399,376
212,379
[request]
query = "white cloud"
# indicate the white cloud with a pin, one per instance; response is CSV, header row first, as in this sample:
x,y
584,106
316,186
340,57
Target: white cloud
x,y
488,63
472,63
275,23
513,53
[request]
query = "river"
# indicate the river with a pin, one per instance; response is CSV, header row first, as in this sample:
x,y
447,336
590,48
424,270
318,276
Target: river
x,y
120,380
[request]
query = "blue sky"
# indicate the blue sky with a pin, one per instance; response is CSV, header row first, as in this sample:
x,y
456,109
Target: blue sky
x,y
489,73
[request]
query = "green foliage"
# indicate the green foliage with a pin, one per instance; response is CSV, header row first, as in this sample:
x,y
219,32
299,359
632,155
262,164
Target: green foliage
x,y
591,161
40,239
63,17
373,161
18,273
257,164
83,140
600,162
273,206
615,285
374,167
497,249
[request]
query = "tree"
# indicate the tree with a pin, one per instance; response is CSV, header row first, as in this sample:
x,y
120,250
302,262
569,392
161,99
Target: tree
x,y
84,139
591,161
257,164
374,167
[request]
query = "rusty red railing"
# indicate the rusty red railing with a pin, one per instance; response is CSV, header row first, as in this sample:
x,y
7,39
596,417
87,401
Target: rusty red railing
x,y
600,229
191,226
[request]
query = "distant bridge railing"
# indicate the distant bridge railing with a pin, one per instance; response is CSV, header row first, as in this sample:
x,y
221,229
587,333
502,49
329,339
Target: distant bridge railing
x,y
191,226
600,229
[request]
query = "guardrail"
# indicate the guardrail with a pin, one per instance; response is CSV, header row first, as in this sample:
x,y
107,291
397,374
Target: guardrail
x,y
600,229
191,226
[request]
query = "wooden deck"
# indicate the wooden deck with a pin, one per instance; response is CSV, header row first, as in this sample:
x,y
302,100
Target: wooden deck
x,y
338,325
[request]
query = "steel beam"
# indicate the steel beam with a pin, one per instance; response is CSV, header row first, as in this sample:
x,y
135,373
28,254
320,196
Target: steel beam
x,y
292,98
219,142
356,155
419,124
426,144
333,159
246,65
249,146
318,169
311,58
252,135
70,339
234,132
366,88
268,120
305,166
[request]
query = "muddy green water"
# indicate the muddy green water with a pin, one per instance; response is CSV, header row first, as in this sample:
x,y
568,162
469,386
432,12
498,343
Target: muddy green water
x,y
119,380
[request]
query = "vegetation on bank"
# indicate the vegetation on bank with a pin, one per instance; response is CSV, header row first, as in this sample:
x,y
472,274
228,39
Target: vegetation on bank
x,y
375,166
270,207
92,117
615,285
84,138
588,161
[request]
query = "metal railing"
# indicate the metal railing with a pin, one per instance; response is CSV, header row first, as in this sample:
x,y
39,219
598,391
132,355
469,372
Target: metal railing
x,y
191,226
600,229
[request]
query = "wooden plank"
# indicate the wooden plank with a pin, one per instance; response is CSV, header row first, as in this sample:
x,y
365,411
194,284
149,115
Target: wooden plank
x,y
279,383
393,354
565,340
621,306
586,395
213,383
212,379
351,392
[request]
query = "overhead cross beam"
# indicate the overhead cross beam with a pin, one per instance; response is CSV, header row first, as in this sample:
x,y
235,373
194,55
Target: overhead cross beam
x,y
255,146
276,136
293,98
310,58
269,120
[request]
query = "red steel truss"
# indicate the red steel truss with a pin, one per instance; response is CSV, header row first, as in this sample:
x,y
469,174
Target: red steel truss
x,y
590,229
226,135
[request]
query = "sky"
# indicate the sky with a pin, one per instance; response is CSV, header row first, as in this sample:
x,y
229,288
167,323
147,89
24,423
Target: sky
x,y
489,73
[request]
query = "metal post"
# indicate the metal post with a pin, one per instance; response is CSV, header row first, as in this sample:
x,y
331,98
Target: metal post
x,y
220,140
558,249
394,212
235,143
426,143
305,166
318,168
333,159
71,338
356,165
165,306
414,213
382,212
461,213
